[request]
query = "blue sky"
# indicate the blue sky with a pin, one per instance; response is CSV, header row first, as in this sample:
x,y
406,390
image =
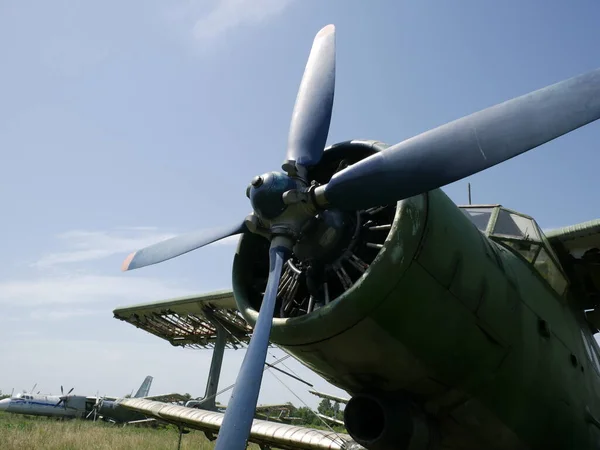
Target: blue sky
x,y
122,123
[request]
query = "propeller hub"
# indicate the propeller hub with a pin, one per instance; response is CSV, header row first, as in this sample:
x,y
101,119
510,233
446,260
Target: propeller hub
x,y
266,194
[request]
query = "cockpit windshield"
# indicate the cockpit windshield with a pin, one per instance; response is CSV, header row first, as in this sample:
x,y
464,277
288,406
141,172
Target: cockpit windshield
x,y
480,216
522,235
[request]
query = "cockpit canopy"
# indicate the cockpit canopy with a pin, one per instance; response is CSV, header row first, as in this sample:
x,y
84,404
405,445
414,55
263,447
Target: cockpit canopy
x,y
522,235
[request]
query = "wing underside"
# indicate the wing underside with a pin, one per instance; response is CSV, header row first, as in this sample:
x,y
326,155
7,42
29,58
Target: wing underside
x,y
190,321
578,247
272,434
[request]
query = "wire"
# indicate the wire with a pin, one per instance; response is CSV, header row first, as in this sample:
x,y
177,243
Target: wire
x,y
290,370
232,385
341,440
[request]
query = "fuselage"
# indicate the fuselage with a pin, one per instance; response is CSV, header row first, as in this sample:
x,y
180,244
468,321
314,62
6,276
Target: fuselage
x,y
113,412
43,405
74,405
483,342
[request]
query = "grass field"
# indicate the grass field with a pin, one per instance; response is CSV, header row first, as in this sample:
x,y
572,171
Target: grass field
x,y
27,433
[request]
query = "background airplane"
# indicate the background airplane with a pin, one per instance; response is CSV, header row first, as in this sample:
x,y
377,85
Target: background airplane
x,y
72,406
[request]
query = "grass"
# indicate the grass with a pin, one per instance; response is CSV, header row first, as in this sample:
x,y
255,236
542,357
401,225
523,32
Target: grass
x,y
19,432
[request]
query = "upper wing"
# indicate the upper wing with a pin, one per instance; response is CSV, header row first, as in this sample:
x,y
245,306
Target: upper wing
x,y
274,434
578,248
188,321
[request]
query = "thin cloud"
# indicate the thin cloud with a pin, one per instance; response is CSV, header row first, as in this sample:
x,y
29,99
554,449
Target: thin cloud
x,y
84,245
229,14
207,20
87,289
53,314
71,57
93,245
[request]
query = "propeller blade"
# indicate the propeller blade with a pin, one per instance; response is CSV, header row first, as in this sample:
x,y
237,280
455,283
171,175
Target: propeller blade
x,y
466,146
70,391
314,103
61,390
242,406
178,246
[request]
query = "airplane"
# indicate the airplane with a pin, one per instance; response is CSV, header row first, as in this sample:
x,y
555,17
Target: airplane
x,y
462,327
73,406
64,406
335,398
281,412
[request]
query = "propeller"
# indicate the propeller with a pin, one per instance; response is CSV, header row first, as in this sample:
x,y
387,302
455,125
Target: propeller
x,y
465,146
314,104
63,398
178,245
96,408
287,206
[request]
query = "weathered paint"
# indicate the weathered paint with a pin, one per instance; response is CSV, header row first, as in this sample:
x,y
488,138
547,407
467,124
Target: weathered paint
x,y
454,318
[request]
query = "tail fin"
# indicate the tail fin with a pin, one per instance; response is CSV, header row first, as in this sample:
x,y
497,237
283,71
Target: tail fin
x,y
144,388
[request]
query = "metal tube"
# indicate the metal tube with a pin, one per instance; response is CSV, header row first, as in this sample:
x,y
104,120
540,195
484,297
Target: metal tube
x,y
214,373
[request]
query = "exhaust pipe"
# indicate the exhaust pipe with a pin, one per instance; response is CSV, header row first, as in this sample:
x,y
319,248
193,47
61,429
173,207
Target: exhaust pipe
x,y
386,421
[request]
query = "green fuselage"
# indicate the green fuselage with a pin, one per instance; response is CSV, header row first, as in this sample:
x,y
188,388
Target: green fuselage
x,y
465,326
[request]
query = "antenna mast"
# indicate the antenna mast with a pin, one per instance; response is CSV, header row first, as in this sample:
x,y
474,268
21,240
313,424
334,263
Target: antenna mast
x,y
469,189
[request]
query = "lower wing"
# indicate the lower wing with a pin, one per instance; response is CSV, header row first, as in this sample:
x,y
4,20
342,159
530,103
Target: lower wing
x,y
274,434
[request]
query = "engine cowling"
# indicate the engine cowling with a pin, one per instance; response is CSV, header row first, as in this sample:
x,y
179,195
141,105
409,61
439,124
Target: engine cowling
x,y
359,257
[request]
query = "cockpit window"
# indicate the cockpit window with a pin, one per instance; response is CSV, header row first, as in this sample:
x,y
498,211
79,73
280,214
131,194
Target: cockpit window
x,y
512,225
527,250
548,269
521,234
479,216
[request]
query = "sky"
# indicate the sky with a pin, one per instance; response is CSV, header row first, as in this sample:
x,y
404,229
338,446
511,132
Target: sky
x,y
124,123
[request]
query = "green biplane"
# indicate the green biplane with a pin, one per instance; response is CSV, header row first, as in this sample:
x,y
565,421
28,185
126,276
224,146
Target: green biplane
x,y
450,327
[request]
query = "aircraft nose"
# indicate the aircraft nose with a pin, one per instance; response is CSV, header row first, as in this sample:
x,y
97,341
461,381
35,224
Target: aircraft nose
x,y
4,404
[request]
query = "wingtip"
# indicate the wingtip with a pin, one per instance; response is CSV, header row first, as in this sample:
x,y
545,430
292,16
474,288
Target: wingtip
x,y
127,262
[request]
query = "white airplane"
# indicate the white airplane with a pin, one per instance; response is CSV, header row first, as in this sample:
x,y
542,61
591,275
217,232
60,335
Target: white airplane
x,y
66,406
45,405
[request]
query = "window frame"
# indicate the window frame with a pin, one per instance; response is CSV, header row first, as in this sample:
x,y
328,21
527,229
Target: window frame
x,y
540,241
